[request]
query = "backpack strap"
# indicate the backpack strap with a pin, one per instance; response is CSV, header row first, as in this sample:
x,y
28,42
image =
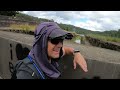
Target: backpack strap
x,y
31,69
36,67
18,64
30,64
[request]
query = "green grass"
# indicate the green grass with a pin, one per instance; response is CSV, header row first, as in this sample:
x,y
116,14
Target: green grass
x,y
23,27
105,38
76,37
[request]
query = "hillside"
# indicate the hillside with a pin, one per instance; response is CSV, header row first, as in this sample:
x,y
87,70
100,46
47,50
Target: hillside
x,y
71,28
26,17
107,36
67,27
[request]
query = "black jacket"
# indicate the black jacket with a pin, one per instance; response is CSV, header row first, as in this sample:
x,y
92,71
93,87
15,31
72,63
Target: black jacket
x,y
24,69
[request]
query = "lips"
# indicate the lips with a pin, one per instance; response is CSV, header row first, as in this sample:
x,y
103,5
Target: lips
x,y
56,51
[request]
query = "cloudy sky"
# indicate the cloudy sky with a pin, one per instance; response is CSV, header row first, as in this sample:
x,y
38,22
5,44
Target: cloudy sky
x,y
92,20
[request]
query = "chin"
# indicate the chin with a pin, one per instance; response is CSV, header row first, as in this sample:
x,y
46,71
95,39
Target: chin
x,y
55,57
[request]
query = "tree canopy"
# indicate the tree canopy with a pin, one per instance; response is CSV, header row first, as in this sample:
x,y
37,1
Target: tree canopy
x,y
8,13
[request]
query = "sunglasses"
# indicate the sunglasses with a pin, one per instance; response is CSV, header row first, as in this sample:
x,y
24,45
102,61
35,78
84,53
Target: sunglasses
x,y
57,40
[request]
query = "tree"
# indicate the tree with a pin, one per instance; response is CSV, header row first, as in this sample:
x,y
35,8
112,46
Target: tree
x,y
9,13
118,30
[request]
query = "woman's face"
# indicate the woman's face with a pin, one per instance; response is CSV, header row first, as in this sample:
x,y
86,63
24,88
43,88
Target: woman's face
x,y
54,47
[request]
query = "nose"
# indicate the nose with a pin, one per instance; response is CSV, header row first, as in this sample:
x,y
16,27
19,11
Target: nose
x,y
60,44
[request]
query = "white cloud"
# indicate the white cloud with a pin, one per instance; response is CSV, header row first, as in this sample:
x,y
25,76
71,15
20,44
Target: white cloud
x,y
90,25
96,20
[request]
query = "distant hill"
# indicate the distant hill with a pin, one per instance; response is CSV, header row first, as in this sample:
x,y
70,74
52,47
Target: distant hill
x,y
26,17
67,27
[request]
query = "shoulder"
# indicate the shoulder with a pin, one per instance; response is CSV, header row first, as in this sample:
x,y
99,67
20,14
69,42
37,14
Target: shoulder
x,y
24,70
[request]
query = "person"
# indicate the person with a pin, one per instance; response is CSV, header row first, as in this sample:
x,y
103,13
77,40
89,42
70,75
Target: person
x,y
46,51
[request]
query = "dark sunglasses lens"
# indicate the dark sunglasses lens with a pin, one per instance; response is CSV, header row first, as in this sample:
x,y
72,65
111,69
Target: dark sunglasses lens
x,y
56,41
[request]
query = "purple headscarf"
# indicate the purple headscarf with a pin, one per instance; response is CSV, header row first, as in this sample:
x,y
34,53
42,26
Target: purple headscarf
x,y
39,49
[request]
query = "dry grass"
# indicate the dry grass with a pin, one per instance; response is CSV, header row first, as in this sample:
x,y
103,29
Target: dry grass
x,y
23,27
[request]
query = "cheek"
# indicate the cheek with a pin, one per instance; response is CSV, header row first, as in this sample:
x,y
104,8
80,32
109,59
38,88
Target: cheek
x,y
50,48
